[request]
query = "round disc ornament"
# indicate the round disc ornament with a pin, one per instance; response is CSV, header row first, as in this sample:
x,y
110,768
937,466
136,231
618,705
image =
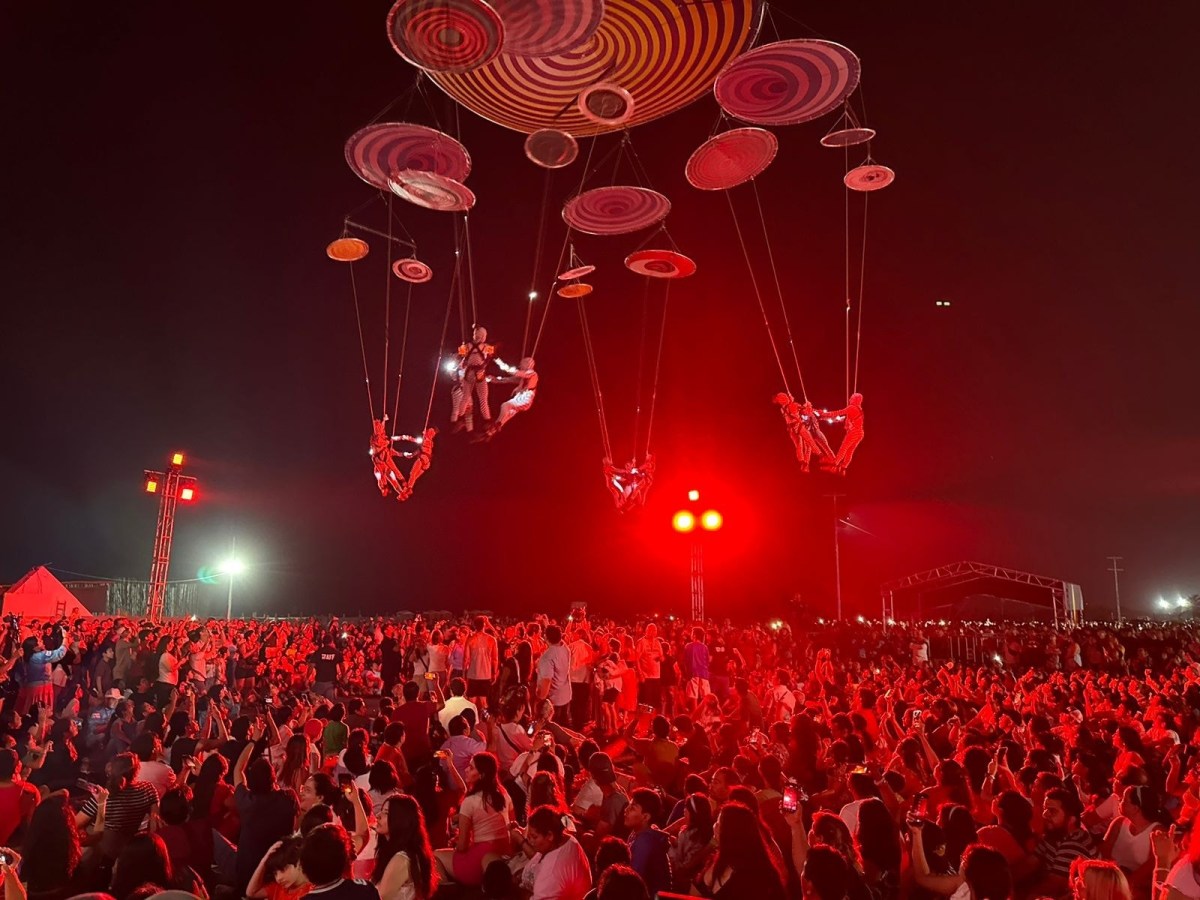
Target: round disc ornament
x,y
787,82
547,27
431,191
577,272
847,137
375,152
660,264
869,177
412,270
578,289
606,104
616,210
551,148
445,35
731,158
347,249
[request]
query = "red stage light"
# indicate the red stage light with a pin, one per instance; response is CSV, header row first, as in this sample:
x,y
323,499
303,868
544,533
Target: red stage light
x,y
711,520
151,486
177,459
693,496
683,521
187,493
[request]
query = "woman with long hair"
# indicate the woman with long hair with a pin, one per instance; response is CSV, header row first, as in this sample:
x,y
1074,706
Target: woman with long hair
x,y
52,850
1098,879
959,827
380,782
297,762
356,758
404,868
693,846
745,865
1012,836
878,843
546,789
144,860
484,819
212,797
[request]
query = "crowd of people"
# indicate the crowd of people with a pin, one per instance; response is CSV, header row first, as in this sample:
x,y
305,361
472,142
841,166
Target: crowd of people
x,y
579,757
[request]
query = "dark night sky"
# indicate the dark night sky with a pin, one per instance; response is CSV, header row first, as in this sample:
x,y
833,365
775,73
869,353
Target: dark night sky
x,y
174,171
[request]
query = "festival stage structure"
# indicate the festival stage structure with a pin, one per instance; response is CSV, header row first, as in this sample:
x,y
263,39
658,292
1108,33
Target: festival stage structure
x,y
172,487
947,585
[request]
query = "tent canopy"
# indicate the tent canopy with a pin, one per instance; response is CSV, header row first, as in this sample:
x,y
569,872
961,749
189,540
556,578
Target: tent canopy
x,y
39,595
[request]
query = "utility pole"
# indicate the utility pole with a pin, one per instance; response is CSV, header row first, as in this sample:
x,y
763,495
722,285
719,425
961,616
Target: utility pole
x,y
1117,583
837,554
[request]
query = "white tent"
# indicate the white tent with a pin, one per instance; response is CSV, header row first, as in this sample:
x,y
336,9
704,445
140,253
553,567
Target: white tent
x,y
39,595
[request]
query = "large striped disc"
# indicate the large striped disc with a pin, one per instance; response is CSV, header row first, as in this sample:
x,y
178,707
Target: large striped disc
x,y
378,150
431,191
616,210
788,82
445,35
731,158
660,264
665,53
547,27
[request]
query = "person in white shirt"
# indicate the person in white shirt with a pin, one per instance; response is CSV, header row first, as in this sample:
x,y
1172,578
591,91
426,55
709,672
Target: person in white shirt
x,y
649,653
554,675
559,868
482,662
783,701
456,703
149,751
583,661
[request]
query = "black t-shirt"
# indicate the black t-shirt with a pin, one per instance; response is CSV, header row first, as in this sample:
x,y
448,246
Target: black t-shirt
x,y
266,818
324,662
347,889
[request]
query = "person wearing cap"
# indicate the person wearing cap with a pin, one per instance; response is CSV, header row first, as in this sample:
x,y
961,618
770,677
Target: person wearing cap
x,y
601,801
99,717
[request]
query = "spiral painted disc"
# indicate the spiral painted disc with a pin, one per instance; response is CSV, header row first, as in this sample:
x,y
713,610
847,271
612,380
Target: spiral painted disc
x,y
787,82
577,272
551,148
574,290
375,152
731,158
606,104
445,35
431,191
347,249
412,270
665,53
869,178
547,27
660,264
616,210
847,137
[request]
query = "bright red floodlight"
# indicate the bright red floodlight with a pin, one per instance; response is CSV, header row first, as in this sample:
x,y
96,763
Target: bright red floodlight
x,y
711,520
187,493
683,521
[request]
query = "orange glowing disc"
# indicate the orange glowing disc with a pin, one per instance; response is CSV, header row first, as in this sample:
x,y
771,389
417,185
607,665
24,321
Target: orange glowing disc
x,y
574,290
347,249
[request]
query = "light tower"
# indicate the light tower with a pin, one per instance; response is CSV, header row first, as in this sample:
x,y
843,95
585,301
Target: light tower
x,y
172,487
685,521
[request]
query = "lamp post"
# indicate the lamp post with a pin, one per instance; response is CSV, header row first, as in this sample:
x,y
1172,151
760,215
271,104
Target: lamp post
x,y
685,521
231,567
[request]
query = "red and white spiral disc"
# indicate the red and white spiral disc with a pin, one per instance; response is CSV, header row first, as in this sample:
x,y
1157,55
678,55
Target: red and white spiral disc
x,y
869,177
412,270
731,158
606,104
445,35
616,210
378,150
551,148
432,191
660,264
787,82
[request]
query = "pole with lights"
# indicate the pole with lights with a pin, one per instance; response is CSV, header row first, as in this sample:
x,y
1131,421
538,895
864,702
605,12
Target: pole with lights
x,y
685,521
1117,583
172,487
232,567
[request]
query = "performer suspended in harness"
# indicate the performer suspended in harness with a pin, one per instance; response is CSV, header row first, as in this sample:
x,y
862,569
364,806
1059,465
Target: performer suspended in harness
x,y
474,358
804,429
461,409
853,417
526,381
421,457
629,484
387,477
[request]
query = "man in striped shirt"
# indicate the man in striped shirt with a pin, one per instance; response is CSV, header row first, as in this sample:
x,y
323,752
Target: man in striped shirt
x,y
1064,842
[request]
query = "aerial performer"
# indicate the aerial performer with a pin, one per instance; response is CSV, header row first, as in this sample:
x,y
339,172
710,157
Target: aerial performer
x,y
473,359
812,427
630,483
804,429
421,459
853,417
383,457
526,381
461,408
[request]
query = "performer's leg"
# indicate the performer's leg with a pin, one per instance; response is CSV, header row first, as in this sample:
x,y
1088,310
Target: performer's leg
x,y
481,392
846,452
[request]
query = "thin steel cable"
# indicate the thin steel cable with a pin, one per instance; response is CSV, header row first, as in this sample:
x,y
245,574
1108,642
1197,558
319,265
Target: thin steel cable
x,y
537,341
662,334
787,325
846,191
403,352
757,293
862,276
437,364
470,268
537,259
462,302
362,344
590,355
637,414
387,312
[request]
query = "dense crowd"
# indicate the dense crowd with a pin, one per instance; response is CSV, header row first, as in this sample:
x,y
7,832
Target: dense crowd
x,y
584,757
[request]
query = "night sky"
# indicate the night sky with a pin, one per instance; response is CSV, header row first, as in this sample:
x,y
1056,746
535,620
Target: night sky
x,y
173,173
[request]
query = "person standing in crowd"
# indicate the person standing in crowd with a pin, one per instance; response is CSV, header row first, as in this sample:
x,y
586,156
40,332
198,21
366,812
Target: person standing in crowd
x,y
554,676
481,659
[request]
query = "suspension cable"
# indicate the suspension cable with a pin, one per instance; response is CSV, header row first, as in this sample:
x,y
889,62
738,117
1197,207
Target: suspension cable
x,y
846,191
537,260
470,268
637,415
403,352
662,333
787,325
758,293
437,364
862,276
387,311
362,344
589,352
